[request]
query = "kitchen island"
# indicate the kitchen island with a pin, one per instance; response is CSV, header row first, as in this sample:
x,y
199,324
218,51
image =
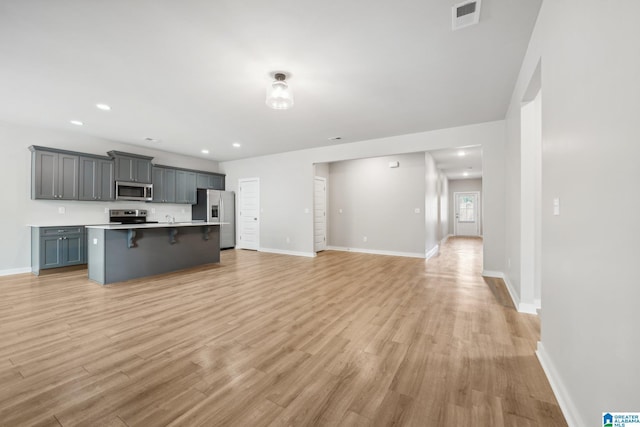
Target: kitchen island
x,y
119,252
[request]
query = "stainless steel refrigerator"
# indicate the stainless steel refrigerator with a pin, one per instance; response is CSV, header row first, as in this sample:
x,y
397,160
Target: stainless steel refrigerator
x,y
214,206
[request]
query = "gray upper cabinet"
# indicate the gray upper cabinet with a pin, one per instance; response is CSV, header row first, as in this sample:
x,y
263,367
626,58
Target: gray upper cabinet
x,y
164,185
217,182
186,187
132,167
68,175
54,175
96,178
210,181
142,171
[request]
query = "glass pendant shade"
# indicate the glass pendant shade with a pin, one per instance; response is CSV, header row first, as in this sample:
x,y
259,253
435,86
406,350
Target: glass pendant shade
x,y
279,95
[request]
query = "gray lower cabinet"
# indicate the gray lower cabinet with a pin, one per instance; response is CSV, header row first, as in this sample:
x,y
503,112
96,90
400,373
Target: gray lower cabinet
x,y
96,178
53,247
164,185
210,181
54,176
186,187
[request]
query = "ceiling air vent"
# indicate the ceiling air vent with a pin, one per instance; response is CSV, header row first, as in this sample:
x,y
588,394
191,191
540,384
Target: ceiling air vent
x,y
465,14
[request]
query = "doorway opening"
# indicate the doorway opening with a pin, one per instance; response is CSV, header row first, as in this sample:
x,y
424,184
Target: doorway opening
x,y
531,192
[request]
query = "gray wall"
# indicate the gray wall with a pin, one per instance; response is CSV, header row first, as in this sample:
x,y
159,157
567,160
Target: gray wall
x,y
19,210
286,183
431,197
378,202
460,185
322,170
591,98
444,206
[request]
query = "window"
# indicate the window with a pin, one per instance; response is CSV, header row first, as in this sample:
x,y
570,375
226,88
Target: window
x,y
466,209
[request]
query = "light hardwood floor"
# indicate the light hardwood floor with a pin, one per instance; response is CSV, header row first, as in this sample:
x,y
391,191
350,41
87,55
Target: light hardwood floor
x,y
264,339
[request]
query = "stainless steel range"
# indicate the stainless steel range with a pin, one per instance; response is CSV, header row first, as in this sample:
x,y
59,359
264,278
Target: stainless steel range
x,y
129,216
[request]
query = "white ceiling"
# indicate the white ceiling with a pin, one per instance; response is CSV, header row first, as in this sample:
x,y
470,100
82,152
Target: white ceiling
x,y
193,73
457,162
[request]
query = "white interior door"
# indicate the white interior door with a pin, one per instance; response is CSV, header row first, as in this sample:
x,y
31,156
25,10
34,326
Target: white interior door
x,y
249,213
319,214
467,214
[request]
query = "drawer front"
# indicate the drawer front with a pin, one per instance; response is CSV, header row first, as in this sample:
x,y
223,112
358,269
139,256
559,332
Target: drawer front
x,y
60,231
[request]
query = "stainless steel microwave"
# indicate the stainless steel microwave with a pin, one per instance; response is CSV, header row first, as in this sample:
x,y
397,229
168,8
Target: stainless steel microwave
x,y
134,191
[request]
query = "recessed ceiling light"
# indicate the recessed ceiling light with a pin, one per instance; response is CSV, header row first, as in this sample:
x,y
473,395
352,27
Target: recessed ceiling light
x,y
461,153
76,122
103,107
205,151
149,139
236,144
335,138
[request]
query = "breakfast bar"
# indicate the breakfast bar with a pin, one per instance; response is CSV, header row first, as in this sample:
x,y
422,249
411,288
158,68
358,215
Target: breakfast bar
x,y
119,252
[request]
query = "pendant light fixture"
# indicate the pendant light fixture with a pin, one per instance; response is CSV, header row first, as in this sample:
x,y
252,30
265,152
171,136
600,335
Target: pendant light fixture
x,y
279,95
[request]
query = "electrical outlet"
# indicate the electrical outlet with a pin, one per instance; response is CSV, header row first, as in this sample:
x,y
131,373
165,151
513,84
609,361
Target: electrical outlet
x,y
183,211
62,210
153,210
306,210
339,211
288,239
95,241
508,262
416,210
364,239
106,210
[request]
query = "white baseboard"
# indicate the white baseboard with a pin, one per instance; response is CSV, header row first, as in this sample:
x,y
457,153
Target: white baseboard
x,y
376,252
492,273
444,240
286,252
522,307
568,408
538,303
12,271
433,252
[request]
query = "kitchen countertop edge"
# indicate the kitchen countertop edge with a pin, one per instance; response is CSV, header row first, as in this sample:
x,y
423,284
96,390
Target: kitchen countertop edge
x,y
156,225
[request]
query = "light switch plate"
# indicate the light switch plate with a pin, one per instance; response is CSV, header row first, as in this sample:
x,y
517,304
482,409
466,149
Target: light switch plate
x,y
61,210
416,210
556,206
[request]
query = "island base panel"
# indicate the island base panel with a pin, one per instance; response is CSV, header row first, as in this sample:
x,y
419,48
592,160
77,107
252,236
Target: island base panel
x,y
151,253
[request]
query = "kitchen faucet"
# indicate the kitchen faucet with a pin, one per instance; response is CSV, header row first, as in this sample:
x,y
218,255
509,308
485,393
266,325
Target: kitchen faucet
x,y
170,219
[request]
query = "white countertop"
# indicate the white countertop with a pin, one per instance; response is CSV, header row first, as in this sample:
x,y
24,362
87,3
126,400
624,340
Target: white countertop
x,y
159,225
53,224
